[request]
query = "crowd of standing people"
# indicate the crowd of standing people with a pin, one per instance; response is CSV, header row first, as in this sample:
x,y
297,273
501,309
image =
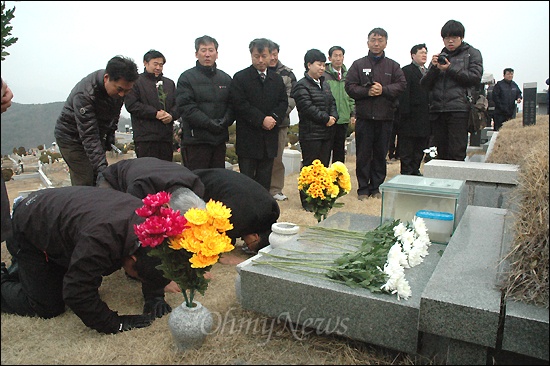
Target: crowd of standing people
x,y
375,98
61,240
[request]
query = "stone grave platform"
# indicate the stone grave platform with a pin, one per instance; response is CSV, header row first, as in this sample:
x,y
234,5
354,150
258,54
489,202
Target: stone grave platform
x,y
456,314
330,306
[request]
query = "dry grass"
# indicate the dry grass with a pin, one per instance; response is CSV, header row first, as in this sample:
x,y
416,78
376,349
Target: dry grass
x,y
527,280
239,336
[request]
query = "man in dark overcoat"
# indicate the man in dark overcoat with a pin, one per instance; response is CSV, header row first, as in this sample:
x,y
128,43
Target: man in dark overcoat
x,y
414,120
260,101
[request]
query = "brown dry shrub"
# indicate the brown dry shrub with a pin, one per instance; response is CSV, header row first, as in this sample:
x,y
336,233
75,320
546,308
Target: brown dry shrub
x,y
514,140
527,147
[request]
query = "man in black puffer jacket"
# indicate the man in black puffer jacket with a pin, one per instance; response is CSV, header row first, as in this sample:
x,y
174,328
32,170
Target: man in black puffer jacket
x,y
202,97
453,73
85,130
506,94
317,112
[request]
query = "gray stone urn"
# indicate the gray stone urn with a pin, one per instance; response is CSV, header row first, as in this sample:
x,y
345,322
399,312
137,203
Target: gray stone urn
x,y
190,326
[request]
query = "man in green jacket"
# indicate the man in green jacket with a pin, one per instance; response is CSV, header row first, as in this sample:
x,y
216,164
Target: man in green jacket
x,y
335,75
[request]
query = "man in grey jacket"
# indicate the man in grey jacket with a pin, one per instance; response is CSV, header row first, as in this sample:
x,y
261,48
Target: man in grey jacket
x,y
85,130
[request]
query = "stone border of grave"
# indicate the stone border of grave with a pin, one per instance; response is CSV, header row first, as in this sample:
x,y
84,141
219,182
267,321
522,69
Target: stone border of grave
x,y
522,328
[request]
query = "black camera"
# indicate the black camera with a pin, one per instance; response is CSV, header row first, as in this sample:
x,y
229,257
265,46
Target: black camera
x,y
442,58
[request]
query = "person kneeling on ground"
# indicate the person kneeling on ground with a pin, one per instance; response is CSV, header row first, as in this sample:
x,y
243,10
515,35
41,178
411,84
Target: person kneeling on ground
x,y
253,208
148,175
64,241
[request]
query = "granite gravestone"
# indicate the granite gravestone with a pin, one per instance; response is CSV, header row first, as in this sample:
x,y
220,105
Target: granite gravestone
x,y
529,103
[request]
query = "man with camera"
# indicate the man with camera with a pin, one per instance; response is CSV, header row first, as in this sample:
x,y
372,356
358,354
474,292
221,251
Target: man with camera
x,y
375,83
453,75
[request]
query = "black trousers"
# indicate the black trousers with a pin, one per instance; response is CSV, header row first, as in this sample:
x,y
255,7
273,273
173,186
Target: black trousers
x,y
393,148
339,142
203,156
316,149
38,291
411,153
499,120
155,149
257,169
372,141
450,134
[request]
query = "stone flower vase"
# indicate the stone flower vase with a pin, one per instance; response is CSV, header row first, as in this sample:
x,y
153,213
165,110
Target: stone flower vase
x,y
190,326
281,233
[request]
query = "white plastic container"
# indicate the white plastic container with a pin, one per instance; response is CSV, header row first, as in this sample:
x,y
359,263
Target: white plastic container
x,y
439,225
292,159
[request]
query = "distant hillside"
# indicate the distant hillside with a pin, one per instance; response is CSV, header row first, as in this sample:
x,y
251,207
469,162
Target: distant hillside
x,y
30,125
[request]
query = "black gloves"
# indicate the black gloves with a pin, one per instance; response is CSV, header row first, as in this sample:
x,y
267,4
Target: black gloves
x,y
128,322
109,140
156,307
215,126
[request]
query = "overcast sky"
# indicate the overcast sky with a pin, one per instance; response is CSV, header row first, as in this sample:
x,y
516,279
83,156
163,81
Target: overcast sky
x,y
61,42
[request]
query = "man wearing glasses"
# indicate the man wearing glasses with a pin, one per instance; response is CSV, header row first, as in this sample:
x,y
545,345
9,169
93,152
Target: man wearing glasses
x,y
453,75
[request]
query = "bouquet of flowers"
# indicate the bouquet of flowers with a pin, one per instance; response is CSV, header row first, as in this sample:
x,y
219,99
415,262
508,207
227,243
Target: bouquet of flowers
x,y
380,261
323,186
187,245
375,260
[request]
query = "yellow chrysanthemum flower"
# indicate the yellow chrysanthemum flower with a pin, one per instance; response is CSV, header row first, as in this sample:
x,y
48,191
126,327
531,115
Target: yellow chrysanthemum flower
x,y
177,243
345,184
333,190
199,260
213,246
339,167
218,210
222,225
186,242
197,216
